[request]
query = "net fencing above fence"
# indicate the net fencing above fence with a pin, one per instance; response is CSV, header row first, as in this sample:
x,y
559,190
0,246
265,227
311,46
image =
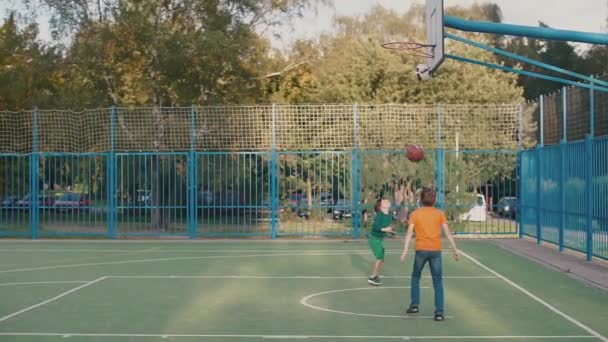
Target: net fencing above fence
x,y
262,127
566,114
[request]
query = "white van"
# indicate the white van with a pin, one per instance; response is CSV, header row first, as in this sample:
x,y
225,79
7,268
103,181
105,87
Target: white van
x,y
478,212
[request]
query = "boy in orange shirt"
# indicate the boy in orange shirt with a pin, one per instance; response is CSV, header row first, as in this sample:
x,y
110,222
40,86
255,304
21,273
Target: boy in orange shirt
x,y
427,222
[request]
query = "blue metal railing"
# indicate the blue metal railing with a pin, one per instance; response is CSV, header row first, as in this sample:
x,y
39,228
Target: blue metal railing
x,y
557,193
274,194
567,196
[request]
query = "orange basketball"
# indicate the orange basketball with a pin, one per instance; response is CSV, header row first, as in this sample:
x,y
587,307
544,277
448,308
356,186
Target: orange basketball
x,y
415,153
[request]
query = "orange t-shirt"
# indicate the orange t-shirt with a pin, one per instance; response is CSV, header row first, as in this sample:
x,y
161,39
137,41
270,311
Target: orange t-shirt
x,y
427,223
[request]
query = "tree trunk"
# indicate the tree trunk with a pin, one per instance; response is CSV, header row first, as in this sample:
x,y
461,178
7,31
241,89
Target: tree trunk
x,y
309,193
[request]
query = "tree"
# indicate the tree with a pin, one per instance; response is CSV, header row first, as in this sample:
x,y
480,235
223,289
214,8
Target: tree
x,y
595,59
163,53
26,68
351,66
557,53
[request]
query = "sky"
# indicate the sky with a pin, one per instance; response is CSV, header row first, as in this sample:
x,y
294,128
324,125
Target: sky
x,y
579,15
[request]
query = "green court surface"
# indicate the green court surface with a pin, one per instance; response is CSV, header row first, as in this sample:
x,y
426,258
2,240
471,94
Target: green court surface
x,y
283,290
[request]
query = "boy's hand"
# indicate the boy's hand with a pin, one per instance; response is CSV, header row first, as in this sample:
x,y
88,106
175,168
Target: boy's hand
x,y
403,256
456,254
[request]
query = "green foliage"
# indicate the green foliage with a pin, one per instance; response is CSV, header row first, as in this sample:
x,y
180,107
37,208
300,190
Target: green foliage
x,y
170,53
27,68
141,53
593,61
352,66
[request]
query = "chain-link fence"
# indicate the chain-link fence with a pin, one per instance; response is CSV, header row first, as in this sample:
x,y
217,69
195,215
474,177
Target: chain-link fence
x,y
568,114
262,128
564,181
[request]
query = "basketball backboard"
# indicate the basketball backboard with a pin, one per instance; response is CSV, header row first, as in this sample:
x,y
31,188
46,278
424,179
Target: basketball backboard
x,y
434,33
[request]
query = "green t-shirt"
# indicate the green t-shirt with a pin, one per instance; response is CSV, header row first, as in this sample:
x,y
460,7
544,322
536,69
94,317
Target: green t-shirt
x,y
380,221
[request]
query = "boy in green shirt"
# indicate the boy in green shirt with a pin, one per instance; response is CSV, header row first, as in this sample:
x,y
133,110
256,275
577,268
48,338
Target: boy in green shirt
x,y
380,228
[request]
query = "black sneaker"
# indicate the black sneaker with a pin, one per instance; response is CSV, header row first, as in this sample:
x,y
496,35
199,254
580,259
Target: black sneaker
x,y
439,316
374,281
413,309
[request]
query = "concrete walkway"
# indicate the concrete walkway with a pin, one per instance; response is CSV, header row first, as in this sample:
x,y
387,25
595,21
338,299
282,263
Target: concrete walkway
x,y
593,273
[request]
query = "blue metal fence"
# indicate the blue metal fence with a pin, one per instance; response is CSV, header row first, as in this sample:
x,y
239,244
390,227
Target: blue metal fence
x,y
556,193
565,185
14,214
565,195
230,194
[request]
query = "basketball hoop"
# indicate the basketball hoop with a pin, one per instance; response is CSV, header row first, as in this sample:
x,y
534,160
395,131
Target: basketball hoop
x,y
411,48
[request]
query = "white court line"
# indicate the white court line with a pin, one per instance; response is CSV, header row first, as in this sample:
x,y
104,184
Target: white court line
x,y
51,299
304,301
363,337
47,282
531,295
158,249
178,258
122,254
286,277
235,277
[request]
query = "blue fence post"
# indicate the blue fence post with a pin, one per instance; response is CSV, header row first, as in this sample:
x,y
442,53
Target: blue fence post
x,y
111,170
562,194
539,168
274,178
562,168
192,173
591,112
541,137
354,170
589,193
589,174
440,162
34,170
520,173
520,193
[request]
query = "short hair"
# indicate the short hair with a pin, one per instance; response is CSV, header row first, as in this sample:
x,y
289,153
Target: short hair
x,y
378,204
428,197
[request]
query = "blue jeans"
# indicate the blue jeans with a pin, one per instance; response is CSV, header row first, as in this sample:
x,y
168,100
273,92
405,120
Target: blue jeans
x,y
434,259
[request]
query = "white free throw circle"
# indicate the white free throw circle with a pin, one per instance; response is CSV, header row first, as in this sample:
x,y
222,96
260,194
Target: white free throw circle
x,y
304,301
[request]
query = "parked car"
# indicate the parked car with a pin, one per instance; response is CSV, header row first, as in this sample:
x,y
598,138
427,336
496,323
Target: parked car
x,y
72,201
123,199
507,206
341,209
44,201
223,201
326,199
263,211
143,198
228,199
9,202
206,198
298,202
296,199
478,212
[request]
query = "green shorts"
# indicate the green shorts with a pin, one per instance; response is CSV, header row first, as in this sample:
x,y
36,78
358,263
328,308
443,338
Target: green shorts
x,y
377,246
